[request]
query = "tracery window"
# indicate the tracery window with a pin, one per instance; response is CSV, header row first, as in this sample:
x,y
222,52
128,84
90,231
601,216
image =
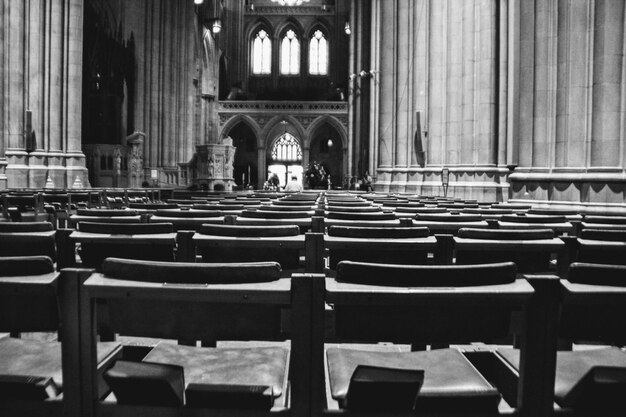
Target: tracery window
x,y
318,54
287,148
290,54
261,53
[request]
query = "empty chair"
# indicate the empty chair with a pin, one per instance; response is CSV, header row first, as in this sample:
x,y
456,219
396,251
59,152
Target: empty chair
x,y
147,241
187,219
602,246
604,222
520,221
425,304
353,209
205,302
42,377
28,238
247,243
531,249
375,219
587,381
394,245
270,217
448,222
104,216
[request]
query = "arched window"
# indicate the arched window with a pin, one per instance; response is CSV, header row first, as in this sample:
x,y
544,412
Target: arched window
x,y
287,148
261,53
290,54
318,54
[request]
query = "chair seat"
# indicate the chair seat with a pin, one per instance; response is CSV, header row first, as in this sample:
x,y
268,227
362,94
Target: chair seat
x,y
571,366
450,381
268,366
43,359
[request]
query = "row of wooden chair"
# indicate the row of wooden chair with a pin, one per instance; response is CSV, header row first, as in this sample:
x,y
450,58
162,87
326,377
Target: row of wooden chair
x,y
312,376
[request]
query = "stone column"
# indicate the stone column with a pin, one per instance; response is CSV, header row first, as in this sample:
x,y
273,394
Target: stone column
x,y
607,74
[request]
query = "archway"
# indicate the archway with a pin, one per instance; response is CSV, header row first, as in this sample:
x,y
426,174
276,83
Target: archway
x,y
327,151
284,158
245,165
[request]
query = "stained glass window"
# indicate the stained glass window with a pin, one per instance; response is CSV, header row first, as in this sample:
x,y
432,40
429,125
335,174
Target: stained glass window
x,y
287,148
261,53
290,54
318,54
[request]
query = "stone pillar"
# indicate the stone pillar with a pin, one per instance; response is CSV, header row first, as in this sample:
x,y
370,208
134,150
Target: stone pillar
x,y
607,75
261,167
43,73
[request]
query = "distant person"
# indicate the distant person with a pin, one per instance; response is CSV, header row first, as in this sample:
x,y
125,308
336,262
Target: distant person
x,y
294,185
272,182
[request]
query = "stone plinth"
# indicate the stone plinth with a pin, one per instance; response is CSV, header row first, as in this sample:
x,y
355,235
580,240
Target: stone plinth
x,y
212,166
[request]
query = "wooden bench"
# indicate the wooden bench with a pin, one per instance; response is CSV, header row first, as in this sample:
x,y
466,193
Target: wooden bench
x,y
602,246
147,241
191,219
28,238
394,245
282,244
559,224
205,302
530,249
104,216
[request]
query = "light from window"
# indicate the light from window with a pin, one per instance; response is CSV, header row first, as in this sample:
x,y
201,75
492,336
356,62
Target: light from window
x,y
261,53
318,54
290,54
287,148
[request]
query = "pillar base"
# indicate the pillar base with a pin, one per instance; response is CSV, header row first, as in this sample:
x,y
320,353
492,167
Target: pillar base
x,y
477,183
31,170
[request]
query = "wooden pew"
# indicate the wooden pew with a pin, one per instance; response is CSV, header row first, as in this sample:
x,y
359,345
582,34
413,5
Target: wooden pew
x,y
559,224
531,249
151,241
282,244
593,310
207,302
28,238
191,219
254,217
394,245
104,216
448,223
602,246
426,304
33,298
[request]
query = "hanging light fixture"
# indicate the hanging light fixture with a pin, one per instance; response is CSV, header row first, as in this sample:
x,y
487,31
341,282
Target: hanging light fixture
x,y
330,142
217,26
198,1
347,28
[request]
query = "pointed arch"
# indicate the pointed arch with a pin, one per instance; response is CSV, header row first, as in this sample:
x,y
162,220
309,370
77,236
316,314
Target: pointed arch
x,y
241,118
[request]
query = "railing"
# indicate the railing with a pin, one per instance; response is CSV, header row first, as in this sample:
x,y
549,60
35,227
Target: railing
x,y
325,107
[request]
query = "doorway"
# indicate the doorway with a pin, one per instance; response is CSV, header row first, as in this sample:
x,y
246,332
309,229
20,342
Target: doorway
x,y
285,158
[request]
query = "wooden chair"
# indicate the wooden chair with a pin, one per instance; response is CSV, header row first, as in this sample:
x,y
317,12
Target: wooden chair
x,y
589,381
275,218
530,249
27,239
426,304
393,245
281,244
104,216
207,302
559,224
604,222
191,219
147,241
601,246
448,223
41,378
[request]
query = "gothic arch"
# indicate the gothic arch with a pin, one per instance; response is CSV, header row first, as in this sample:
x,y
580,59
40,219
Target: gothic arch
x,y
335,123
241,118
271,131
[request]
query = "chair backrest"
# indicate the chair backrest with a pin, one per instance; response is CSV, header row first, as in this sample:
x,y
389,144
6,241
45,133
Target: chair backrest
x,y
193,213
275,207
28,294
530,249
353,209
25,227
533,219
243,251
602,246
360,216
106,213
375,244
445,217
605,219
93,253
267,214
594,303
